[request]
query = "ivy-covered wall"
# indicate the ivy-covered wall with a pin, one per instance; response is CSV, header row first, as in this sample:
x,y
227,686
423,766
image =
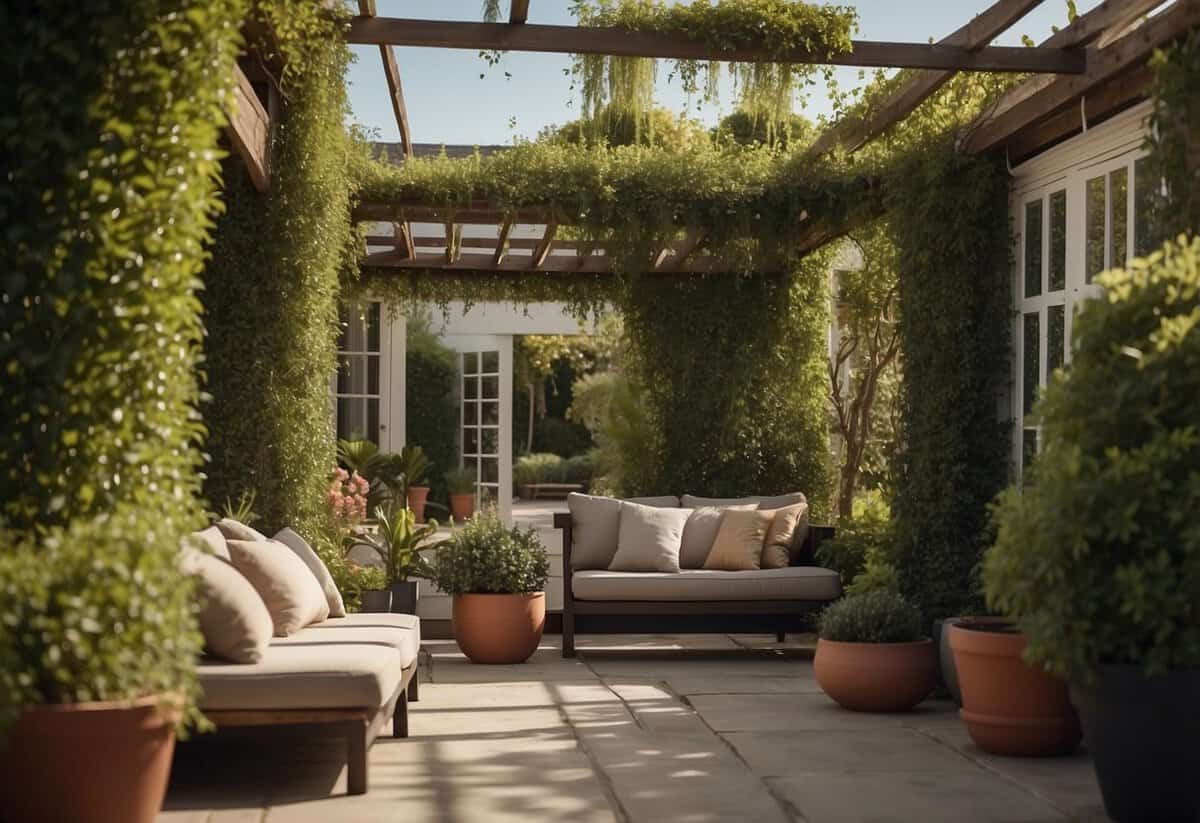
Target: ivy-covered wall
x,y
949,220
270,303
1174,136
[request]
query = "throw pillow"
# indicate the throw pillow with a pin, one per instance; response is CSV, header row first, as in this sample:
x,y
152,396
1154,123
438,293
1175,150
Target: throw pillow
x,y
210,539
233,530
233,618
648,539
289,538
699,533
594,525
785,536
739,543
690,501
292,595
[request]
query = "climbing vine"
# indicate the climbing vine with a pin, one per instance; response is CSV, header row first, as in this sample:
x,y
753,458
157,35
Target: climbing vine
x,y
1174,137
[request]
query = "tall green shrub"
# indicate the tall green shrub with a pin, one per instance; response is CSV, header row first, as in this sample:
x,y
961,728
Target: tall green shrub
x,y
949,221
1174,137
430,409
111,116
271,292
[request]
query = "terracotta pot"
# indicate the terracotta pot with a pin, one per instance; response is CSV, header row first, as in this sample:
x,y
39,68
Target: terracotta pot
x,y
876,677
946,667
462,506
1009,706
96,762
416,501
499,628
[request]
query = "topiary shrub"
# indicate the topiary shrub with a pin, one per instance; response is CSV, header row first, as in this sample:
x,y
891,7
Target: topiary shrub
x,y
873,617
1098,558
539,467
485,557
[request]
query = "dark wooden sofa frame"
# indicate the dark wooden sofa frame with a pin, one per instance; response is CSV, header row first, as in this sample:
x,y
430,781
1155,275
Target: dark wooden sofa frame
x,y
360,725
683,617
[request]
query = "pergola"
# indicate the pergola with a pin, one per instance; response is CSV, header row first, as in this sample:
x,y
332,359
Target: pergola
x,y
1093,67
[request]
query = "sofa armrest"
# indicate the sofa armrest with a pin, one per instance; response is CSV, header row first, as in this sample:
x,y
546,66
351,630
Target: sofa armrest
x,y
817,535
562,521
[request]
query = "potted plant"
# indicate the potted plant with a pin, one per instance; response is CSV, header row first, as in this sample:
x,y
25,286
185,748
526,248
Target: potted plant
x,y
496,576
401,545
461,483
96,673
871,655
1098,558
413,467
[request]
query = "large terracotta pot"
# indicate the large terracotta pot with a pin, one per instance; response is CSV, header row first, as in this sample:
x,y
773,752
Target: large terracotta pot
x,y
499,628
416,501
1009,706
876,677
95,762
462,506
946,667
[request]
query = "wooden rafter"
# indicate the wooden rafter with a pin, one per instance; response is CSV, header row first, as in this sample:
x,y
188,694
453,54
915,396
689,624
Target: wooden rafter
x,y
249,130
471,214
1106,64
542,252
553,264
525,243
403,240
519,12
985,27
671,259
502,242
621,42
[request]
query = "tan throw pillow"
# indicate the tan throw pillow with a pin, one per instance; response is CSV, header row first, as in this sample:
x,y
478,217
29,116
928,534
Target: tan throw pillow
x,y
289,538
209,540
292,595
739,543
699,533
788,530
235,530
648,539
233,618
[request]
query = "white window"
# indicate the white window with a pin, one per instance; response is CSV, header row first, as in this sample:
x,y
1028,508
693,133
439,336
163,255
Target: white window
x,y
363,406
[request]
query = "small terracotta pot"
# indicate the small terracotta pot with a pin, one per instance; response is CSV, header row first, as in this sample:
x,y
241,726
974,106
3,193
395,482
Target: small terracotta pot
x,y
499,628
462,506
416,501
1010,707
104,762
876,677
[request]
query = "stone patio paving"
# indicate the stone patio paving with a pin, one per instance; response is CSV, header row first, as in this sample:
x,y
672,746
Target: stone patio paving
x,y
695,729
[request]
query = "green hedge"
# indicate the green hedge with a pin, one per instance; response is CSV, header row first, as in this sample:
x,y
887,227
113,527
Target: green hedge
x,y
430,410
111,116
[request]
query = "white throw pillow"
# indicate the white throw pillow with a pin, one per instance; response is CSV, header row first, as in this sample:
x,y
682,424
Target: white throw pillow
x,y
690,501
649,538
236,530
289,538
292,595
233,618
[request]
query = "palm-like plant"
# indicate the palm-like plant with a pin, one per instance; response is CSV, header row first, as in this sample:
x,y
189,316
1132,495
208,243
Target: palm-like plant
x,y
400,544
377,467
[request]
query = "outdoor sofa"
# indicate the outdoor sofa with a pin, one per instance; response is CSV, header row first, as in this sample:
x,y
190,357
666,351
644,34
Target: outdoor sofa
x,y
598,598
353,672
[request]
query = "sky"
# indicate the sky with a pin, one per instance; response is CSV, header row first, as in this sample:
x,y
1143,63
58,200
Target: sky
x,y
448,102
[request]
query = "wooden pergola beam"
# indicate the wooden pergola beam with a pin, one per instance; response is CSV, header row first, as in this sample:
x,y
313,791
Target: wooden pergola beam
x,y
852,134
524,243
518,12
403,240
677,255
621,42
249,129
1105,65
502,243
481,214
560,264
542,252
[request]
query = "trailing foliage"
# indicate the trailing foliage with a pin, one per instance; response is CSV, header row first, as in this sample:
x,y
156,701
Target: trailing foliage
x,y
622,88
872,617
272,288
1174,137
949,220
484,557
1099,560
111,119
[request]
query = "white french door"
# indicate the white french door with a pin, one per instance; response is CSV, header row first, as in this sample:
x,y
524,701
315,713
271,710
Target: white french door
x,y
367,374
485,416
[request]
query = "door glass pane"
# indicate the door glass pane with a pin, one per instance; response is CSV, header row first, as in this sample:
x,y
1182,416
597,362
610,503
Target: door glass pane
x,y
491,387
1033,248
490,412
1056,329
470,388
374,313
1144,187
1094,218
470,363
1058,241
371,363
491,362
1118,199
1031,377
491,441
470,441
358,419
490,470
470,414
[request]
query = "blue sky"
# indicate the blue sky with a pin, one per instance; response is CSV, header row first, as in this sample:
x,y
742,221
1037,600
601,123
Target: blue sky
x,y
448,102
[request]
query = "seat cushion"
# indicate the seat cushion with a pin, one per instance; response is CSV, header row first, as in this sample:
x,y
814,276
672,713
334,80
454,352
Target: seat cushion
x,y
690,501
792,583
398,631
305,676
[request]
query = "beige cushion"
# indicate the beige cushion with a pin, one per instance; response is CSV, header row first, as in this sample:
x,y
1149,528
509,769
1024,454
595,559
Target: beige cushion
x,y
292,594
699,533
234,530
595,523
209,539
739,542
648,538
303,676
289,538
811,583
233,618
787,533
690,501
398,631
